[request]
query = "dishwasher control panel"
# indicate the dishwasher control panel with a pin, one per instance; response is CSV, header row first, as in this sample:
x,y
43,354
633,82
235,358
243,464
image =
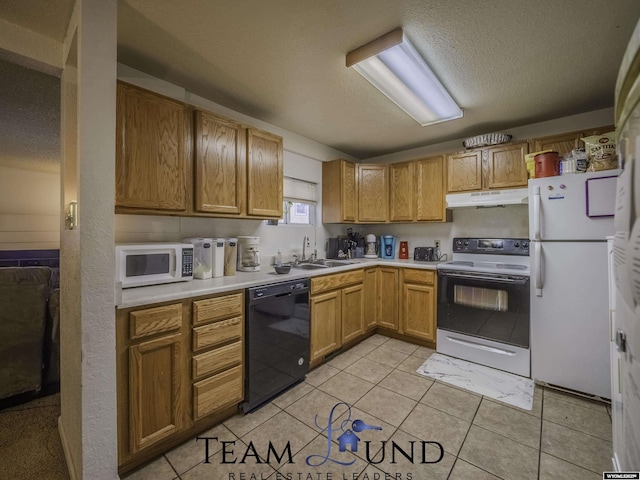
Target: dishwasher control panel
x,y
279,289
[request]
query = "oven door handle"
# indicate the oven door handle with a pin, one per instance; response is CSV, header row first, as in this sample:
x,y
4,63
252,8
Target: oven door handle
x,y
516,280
479,346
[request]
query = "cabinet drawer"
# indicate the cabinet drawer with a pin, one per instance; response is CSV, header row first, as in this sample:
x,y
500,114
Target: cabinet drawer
x,y
221,390
216,333
216,360
338,280
217,308
414,275
155,320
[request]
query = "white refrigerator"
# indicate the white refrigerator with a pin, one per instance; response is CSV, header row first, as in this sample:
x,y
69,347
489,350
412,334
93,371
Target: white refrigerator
x,y
570,217
625,305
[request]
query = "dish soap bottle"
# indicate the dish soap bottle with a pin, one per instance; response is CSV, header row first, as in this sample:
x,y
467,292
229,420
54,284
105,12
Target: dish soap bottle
x,y
279,259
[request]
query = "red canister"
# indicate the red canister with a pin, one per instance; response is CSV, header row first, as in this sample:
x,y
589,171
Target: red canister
x,y
404,250
547,164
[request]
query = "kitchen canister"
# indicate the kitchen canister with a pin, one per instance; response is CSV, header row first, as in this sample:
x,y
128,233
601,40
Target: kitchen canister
x,y
230,256
547,164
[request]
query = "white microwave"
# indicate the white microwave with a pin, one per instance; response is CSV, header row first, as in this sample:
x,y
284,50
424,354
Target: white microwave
x,y
141,264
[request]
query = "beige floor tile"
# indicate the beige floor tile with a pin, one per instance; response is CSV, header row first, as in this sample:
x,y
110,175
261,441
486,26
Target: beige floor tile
x,y
411,364
375,339
159,469
595,422
465,471
280,430
509,422
369,370
362,348
499,455
552,468
423,352
387,405
461,403
391,461
193,451
400,346
576,447
215,469
574,399
536,409
240,424
290,396
316,405
343,360
386,356
323,459
346,387
406,384
320,374
430,424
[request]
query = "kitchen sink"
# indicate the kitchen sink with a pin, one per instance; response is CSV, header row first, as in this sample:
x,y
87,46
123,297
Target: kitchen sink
x,y
310,266
324,264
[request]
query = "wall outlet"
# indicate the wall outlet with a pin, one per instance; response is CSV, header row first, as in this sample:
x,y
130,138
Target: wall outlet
x,y
437,243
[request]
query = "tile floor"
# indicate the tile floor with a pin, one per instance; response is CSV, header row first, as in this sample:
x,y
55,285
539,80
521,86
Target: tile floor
x,y
562,437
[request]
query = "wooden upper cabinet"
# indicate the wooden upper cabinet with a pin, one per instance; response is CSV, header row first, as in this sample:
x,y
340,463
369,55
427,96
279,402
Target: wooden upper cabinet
x,y
264,174
429,191
338,192
464,171
373,193
220,172
402,196
505,166
562,144
152,164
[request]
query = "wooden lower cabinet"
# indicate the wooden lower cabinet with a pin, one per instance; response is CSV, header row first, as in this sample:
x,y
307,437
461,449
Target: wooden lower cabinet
x,y
156,396
352,312
179,372
387,304
370,297
418,304
326,317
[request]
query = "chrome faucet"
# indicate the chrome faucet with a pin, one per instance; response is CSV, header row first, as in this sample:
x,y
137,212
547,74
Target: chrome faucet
x,y
305,244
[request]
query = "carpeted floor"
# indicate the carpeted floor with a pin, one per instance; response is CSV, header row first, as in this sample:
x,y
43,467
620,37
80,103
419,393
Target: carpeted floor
x,y
30,446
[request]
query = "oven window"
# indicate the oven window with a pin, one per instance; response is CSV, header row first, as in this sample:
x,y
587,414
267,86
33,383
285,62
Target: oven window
x,y
147,264
483,298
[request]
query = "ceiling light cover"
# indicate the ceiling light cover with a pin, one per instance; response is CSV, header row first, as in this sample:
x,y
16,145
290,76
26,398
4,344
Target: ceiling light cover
x,y
393,66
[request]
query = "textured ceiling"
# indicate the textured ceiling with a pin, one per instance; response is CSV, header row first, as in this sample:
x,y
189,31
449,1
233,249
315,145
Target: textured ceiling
x,y
507,63
29,118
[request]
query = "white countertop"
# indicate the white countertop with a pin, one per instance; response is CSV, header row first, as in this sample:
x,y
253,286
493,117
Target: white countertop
x,y
134,297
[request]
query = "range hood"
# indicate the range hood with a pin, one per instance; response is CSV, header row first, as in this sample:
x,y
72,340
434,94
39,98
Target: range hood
x,y
488,198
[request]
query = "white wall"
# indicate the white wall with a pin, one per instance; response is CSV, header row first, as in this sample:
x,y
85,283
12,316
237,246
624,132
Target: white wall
x,y
508,221
29,209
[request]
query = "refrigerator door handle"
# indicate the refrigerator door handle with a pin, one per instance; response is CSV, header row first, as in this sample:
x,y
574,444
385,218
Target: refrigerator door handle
x,y
537,252
536,213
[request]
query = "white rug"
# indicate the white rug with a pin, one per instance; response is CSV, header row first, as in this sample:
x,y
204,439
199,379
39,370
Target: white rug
x,y
505,387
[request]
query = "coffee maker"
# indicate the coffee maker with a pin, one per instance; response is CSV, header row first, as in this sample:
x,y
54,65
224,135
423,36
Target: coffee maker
x,y
248,254
372,246
387,246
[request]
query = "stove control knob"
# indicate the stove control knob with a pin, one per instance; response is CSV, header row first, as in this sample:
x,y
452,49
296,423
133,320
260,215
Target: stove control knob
x,y
466,243
525,245
517,244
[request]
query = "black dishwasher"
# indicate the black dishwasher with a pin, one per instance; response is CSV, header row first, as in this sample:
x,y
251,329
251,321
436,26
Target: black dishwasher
x,y
276,340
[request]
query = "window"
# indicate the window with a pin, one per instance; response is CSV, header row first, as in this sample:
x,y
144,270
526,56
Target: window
x,y
299,203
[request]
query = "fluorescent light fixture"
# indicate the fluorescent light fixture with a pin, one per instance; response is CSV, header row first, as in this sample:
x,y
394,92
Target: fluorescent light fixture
x,y
394,67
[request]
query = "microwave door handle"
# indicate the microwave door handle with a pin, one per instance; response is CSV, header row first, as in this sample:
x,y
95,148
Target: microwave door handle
x,y
537,259
536,212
